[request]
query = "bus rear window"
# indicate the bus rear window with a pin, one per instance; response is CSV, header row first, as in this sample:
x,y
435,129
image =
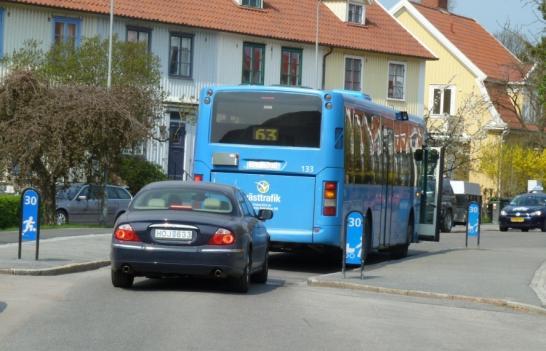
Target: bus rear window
x,y
277,119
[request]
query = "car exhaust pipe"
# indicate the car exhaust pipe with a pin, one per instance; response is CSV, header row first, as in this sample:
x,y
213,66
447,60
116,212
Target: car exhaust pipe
x,y
218,273
126,269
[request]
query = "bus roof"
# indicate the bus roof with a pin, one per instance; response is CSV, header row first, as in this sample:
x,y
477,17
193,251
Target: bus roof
x,y
353,97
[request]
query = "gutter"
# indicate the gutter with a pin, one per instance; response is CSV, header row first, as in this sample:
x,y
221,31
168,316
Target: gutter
x,y
330,50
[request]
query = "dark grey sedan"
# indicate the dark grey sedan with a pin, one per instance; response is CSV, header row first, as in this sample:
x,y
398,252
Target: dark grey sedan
x,y
176,228
80,203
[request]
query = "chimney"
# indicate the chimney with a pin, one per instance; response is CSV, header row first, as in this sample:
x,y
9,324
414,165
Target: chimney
x,y
439,4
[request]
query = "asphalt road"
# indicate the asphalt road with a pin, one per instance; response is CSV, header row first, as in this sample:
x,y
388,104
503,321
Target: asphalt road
x,y
84,312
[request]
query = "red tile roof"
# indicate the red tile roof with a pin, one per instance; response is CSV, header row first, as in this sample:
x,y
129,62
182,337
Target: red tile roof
x,y
280,19
476,43
505,106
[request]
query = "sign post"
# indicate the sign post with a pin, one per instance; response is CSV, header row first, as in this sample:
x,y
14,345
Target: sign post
x,y
29,228
353,248
473,222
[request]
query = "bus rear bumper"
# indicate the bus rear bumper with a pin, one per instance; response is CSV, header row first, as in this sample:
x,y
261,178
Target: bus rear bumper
x,y
323,235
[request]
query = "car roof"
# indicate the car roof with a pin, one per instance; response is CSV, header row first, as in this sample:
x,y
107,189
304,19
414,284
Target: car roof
x,y
532,195
190,184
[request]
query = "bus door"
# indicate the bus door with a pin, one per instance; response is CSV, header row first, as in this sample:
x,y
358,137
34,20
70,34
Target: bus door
x,y
388,177
428,228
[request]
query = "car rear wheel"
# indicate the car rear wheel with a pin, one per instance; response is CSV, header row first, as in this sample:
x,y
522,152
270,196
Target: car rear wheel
x,y
241,283
544,226
122,280
524,229
261,276
503,229
447,222
61,217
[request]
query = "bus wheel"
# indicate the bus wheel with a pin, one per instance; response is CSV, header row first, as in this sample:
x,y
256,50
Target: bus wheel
x,y
401,251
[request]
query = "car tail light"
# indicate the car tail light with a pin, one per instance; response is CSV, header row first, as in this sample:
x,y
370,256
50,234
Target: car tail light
x,y
329,207
222,237
198,178
126,233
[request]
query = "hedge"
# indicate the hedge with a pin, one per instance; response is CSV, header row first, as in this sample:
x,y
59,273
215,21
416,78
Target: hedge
x,y
9,210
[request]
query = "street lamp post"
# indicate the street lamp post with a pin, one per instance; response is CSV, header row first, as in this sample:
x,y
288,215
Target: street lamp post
x,y
109,81
104,201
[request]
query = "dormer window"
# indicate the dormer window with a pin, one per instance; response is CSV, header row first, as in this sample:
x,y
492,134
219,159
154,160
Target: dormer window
x,y
355,12
349,11
251,3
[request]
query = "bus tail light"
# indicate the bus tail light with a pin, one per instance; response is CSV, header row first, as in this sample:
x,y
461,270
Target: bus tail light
x,y
329,200
198,178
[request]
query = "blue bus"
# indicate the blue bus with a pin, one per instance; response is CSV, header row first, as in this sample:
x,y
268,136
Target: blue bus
x,y
311,156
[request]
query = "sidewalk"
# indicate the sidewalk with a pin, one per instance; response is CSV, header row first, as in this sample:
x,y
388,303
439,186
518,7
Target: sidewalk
x,y
57,256
509,269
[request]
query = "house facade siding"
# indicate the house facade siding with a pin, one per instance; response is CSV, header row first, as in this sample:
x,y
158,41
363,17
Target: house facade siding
x,y
375,76
468,89
217,60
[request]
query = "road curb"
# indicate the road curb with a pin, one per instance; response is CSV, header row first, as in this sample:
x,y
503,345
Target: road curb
x,y
515,306
66,269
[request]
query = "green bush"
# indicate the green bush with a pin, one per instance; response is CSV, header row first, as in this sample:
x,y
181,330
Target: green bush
x,y
137,172
10,208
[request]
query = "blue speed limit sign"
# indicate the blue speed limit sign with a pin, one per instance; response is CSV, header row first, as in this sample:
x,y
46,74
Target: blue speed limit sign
x,y
30,204
354,227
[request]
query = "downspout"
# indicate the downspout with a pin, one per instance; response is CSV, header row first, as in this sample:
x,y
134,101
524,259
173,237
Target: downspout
x,y
330,50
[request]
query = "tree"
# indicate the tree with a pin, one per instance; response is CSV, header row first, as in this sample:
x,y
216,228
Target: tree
x,y
138,172
528,96
514,40
512,165
458,133
59,118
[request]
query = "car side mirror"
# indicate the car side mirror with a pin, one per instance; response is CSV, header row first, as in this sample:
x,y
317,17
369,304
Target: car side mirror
x,y
264,215
82,198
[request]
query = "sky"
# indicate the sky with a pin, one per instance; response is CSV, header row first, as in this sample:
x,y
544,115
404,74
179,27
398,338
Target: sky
x,y
493,14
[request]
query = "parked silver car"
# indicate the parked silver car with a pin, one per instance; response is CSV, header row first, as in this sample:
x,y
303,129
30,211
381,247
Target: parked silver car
x,y
80,203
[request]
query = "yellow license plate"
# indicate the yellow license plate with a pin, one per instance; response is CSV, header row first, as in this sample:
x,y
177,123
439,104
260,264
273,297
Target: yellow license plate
x,y
517,219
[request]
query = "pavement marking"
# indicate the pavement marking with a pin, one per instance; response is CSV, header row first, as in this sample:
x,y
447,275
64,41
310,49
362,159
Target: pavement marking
x,y
66,269
538,284
515,306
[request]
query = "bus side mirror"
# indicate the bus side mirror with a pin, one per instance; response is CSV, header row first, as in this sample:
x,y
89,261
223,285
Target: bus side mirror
x,y
418,155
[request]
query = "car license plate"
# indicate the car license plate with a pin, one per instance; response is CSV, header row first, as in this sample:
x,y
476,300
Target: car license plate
x,y
171,234
517,219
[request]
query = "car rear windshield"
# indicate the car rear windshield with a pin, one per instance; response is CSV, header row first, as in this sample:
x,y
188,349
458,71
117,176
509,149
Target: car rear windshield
x,y
526,200
278,119
183,200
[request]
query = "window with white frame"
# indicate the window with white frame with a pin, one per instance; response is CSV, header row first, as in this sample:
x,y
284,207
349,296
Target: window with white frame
x,y
355,13
442,100
397,81
353,73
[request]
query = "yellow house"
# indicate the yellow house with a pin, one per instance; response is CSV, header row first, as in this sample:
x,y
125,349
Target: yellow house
x,y
367,50
470,91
